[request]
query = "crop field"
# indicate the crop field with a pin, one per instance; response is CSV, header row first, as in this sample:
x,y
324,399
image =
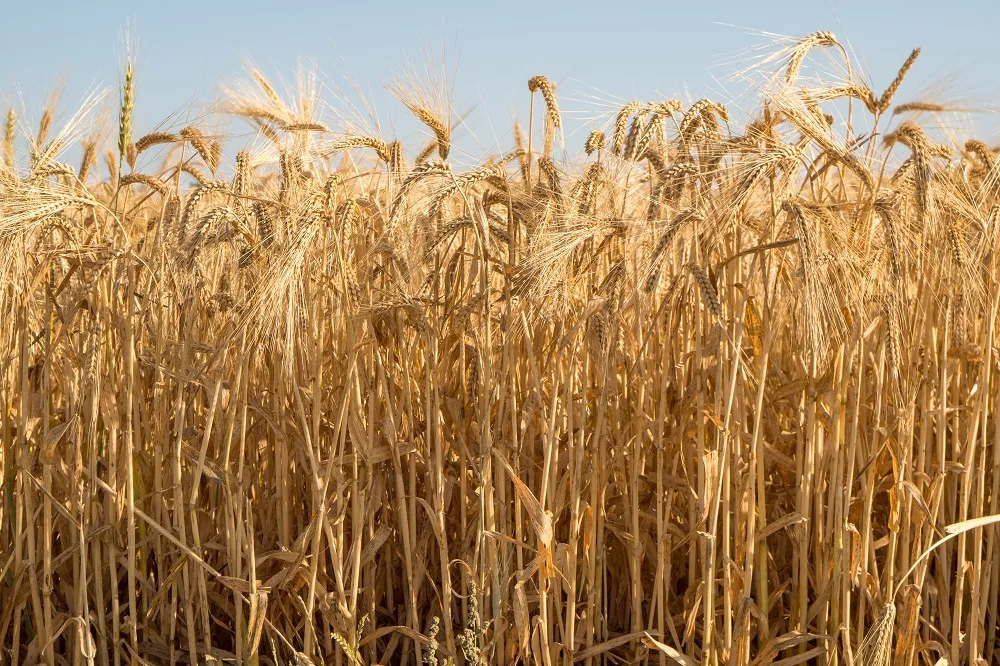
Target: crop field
x,y
715,390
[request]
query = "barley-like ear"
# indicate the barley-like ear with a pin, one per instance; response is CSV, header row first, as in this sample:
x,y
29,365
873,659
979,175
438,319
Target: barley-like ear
x,y
549,95
425,92
886,99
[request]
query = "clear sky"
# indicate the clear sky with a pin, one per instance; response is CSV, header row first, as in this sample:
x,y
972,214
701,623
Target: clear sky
x,y
609,50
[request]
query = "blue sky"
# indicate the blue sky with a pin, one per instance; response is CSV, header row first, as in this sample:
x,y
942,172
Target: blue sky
x,y
607,51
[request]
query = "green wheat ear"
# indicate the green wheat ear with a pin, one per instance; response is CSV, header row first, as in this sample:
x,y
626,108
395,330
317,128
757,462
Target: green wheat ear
x,y
346,646
125,116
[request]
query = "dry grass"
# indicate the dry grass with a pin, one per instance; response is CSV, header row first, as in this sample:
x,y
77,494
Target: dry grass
x,y
710,395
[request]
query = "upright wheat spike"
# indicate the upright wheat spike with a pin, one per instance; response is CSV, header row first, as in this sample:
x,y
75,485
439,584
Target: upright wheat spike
x,y
708,293
885,101
8,139
125,116
595,142
87,160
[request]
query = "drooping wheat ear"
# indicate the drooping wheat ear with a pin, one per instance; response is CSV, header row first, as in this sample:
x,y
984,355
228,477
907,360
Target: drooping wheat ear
x,y
981,151
154,139
378,146
306,126
595,142
708,293
917,107
651,134
125,116
701,112
660,249
213,219
665,107
855,90
656,158
912,136
800,50
675,177
886,99
147,180
509,157
886,206
541,83
876,647
199,193
621,125
196,173
87,160
551,174
193,135
441,130
8,139
428,150
487,172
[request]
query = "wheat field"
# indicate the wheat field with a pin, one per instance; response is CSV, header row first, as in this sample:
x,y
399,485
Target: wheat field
x,y
718,390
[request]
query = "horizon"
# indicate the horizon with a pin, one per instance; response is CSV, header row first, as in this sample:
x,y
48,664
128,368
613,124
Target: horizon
x,y
184,59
